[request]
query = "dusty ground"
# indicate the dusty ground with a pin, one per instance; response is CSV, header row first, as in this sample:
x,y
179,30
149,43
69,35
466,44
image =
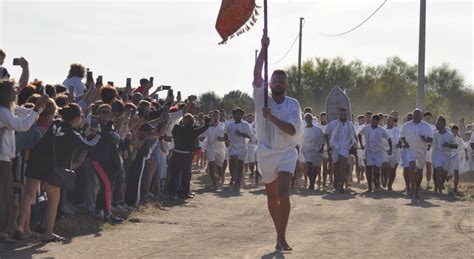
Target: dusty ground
x,y
226,223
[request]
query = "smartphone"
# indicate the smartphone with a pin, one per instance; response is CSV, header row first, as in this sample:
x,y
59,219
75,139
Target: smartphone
x,y
94,122
99,81
128,113
114,108
110,83
129,82
151,79
165,87
89,77
16,61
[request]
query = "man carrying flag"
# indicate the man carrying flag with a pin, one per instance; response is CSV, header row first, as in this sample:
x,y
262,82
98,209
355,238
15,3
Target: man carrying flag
x,y
278,127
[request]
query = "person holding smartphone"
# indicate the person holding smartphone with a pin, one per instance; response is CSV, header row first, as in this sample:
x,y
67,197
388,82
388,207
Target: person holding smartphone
x,y
3,71
74,83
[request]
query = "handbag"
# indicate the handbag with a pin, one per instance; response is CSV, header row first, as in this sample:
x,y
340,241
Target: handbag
x,y
67,176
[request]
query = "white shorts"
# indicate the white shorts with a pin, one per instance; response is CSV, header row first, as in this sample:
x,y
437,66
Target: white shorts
x,y
242,154
270,163
393,159
361,156
455,163
301,157
418,156
213,155
441,160
313,157
251,156
373,158
404,158
429,155
336,152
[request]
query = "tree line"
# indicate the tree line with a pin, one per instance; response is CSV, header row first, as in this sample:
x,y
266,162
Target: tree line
x,y
378,88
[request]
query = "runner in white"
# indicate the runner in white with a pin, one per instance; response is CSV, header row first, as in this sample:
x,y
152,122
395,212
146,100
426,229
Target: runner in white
x,y
251,159
427,117
236,132
416,135
392,160
404,157
326,159
443,144
374,135
215,149
360,169
313,140
279,128
340,138
461,154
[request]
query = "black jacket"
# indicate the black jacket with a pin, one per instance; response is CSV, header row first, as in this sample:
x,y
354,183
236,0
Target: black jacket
x,y
185,137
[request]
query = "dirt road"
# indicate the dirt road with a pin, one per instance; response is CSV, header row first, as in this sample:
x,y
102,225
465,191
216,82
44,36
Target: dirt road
x,y
225,223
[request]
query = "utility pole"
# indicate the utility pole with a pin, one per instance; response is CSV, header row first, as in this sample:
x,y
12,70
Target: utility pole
x,y
299,53
420,100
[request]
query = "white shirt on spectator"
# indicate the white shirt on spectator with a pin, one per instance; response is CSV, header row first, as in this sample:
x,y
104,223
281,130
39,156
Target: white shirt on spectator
x,y
21,120
75,86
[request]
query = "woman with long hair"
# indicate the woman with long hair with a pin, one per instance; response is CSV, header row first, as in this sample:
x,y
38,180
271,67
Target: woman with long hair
x,y
54,150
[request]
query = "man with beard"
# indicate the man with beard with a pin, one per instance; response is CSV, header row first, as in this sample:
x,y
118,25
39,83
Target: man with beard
x,y
279,128
340,137
416,135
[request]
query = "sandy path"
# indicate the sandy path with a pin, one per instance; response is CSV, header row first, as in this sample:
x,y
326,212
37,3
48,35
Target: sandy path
x,y
225,223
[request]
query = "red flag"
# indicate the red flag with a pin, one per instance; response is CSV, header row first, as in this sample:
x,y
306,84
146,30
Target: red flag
x,y
235,17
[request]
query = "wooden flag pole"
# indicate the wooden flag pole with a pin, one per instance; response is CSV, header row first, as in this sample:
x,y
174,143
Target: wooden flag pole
x,y
265,72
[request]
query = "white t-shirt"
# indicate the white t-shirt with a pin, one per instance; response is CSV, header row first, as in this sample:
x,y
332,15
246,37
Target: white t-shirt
x,y
75,86
412,132
438,141
268,134
394,134
341,135
237,144
313,138
374,137
212,134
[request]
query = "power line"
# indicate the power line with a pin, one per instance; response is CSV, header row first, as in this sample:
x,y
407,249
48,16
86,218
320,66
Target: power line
x,y
368,18
291,47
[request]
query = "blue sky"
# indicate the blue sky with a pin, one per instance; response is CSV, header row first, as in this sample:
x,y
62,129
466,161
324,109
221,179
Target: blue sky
x,y
176,42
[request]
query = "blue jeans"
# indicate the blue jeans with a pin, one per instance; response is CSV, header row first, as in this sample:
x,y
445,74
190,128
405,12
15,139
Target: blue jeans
x,y
180,166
